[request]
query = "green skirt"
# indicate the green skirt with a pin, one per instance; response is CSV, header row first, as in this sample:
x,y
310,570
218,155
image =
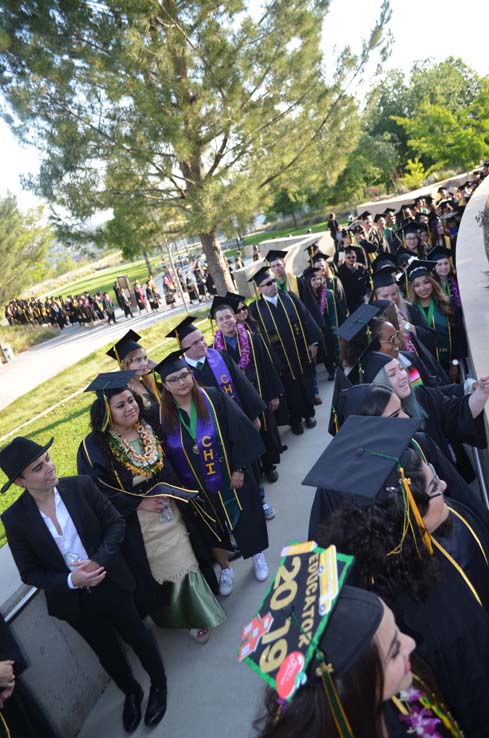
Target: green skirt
x,y
191,604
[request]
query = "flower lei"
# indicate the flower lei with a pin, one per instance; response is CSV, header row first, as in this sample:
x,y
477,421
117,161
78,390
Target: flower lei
x,y
244,345
323,301
425,716
453,286
146,464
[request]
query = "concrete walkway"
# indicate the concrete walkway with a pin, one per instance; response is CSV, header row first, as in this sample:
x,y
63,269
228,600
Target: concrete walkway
x,y
211,695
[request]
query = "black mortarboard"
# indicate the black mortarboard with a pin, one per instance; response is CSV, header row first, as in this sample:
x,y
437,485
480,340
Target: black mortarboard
x,y
233,300
274,254
261,275
419,268
365,214
110,383
373,362
357,321
319,255
351,401
411,227
391,211
312,249
342,621
360,458
171,363
383,262
218,302
384,278
377,217
439,252
184,328
341,382
124,346
164,489
310,272
18,455
356,249
402,256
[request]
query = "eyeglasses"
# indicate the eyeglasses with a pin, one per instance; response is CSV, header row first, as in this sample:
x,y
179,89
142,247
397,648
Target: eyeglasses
x,y
242,309
267,284
176,380
393,339
439,484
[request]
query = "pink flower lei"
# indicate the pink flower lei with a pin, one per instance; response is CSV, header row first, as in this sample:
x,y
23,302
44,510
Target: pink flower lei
x,y
244,345
323,301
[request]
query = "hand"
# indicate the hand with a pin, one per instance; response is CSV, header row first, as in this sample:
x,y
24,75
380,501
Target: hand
x,y
6,693
6,673
483,384
257,423
150,504
85,575
313,350
273,404
237,479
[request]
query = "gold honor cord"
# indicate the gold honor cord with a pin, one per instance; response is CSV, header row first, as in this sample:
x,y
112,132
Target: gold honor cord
x,y
3,722
302,331
459,569
471,530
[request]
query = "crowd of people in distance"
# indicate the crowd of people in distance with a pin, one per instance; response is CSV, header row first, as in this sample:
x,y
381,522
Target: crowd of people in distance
x,y
377,623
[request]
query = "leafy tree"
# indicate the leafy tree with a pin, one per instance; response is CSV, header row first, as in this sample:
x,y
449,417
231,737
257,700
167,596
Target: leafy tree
x,y
191,109
24,242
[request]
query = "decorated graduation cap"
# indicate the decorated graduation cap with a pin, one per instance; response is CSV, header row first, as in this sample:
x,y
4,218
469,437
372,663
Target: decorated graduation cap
x,y
363,461
275,254
357,321
173,362
184,328
124,346
341,382
304,633
107,385
261,276
419,268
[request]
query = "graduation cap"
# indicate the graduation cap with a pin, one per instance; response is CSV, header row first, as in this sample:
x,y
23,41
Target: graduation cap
x,y
356,249
233,300
366,214
125,346
107,385
218,302
341,622
409,227
318,255
311,272
173,362
384,278
382,262
419,268
351,400
440,252
363,462
389,211
378,216
163,489
374,361
275,254
341,382
403,256
261,275
357,321
184,328
312,249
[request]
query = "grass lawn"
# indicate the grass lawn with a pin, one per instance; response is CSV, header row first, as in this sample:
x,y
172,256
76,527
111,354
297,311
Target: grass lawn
x,y
22,337
104,279
69,422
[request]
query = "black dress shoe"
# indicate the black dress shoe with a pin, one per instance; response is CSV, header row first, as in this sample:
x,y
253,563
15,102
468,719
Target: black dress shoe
x,y
311,422
271,475
131,714
283,448
297,430
156,707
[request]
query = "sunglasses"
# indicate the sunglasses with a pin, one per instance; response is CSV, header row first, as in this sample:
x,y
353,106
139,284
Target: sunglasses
x,y
242,309
267,284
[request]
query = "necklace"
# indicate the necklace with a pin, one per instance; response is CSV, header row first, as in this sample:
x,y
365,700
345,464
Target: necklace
x,y
149,462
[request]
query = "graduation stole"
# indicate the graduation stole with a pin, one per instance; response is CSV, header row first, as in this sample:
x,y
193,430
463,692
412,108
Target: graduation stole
x,y
289,309
290,284
222,374
214,479
440,322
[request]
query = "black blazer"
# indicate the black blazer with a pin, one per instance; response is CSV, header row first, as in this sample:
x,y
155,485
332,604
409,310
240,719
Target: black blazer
x,y
38,559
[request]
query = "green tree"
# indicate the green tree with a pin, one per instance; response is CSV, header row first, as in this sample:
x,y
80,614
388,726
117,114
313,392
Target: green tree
x,y
190,109
24,242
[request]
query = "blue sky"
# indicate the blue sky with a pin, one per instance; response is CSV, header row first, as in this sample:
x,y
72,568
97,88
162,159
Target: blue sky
x,y
421,29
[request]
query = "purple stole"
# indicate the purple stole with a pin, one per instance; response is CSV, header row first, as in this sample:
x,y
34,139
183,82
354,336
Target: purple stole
x,y
222,374
213,480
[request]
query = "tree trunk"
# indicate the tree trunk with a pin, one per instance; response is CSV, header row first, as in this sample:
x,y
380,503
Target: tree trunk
x,y
148,263
216,263
294,218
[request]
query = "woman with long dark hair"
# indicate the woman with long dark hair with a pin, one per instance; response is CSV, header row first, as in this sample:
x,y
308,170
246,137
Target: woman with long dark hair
x,y
407,549
123,455
212,446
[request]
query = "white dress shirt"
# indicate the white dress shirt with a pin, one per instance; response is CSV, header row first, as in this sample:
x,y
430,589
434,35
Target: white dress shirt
x,y
273,300
194,362
69,542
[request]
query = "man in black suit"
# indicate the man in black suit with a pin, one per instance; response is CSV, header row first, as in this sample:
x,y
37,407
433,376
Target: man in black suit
x,y
58,525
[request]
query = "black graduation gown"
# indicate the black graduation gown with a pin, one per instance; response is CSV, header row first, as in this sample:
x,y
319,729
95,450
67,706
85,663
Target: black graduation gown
x,y
109,474
243,447
327,346
22,713
281,324
424,333
264,377
355,283
249,400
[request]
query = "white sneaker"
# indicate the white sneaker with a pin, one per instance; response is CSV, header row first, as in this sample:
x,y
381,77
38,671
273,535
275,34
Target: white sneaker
x,y
268,511
226,582
260,566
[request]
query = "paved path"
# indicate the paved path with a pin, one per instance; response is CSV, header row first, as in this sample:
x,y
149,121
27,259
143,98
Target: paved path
x,y
211,695
40,363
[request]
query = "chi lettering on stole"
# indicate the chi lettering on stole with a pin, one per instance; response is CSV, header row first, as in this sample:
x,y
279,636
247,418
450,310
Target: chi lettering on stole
x,y
208,456
225,383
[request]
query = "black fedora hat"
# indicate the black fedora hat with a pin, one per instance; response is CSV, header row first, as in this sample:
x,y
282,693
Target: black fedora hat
x,y
17,455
